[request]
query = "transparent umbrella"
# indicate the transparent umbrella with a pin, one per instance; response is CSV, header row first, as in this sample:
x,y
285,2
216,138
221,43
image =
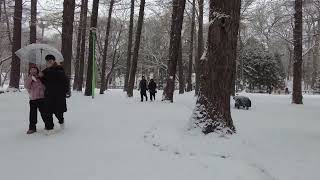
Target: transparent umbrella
x,y
36,53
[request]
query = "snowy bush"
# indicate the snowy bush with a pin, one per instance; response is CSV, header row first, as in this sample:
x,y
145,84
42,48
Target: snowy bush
x,y
261,69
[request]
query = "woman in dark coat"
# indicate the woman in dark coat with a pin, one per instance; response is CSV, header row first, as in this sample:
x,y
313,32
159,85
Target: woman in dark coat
x,y
152,89
56,92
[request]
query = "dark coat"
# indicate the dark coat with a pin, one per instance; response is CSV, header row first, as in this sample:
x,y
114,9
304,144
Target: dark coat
x,y
152,87
143,86
57,88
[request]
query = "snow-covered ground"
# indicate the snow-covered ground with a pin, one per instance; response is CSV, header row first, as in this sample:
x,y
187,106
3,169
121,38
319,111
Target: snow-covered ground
x,y
116,138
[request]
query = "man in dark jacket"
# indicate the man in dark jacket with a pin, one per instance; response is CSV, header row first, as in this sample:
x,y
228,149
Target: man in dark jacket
x,y
143,88
152,89
56,92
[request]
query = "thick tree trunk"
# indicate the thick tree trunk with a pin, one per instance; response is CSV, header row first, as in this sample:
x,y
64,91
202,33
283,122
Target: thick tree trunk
x,y
134,64
83,45
297,64
67,35
180,67
200,44
193,19
79,36
94,20
105,51
15,63
129,53
212,111
175,41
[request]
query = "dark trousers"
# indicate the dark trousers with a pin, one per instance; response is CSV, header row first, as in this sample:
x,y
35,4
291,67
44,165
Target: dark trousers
x,y
143,94
152,96
36,105
59,116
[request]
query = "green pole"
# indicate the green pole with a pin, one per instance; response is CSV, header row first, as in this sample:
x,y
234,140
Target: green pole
x,y
93,63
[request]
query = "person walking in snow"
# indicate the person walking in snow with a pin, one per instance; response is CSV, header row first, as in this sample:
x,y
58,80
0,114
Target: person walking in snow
x,y
36,91
57,90
152,89
143,88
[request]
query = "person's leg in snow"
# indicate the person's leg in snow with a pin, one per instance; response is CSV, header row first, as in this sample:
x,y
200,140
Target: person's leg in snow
x,y
59,116
33,116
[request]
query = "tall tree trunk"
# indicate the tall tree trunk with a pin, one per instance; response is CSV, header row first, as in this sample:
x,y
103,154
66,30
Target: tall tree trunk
x,y
315,57
79,36
15,63
105,51
33,22
7,22
180,67
94,20
134,64
83,45
200,44
175,41
212,111
129,53
297,64
193,19
67,34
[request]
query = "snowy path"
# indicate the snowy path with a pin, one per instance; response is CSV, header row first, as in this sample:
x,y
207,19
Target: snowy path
x,y
116,138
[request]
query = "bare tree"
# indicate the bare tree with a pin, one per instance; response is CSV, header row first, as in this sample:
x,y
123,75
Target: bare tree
x,y
212,111
178,7
129,53
105,51
297,65
67,34
15,63
180,67
133,68
94,20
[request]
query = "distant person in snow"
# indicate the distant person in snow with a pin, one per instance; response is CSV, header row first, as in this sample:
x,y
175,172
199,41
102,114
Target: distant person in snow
x,y
36,90
57,90
143,88
152,89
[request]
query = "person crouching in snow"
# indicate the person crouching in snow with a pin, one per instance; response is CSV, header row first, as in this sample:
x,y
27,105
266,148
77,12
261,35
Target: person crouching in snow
x,y
36,90
143,88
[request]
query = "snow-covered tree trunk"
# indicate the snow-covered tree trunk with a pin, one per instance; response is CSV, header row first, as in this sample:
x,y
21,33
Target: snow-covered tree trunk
x,y
15,63
212,111
297,58
134,64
